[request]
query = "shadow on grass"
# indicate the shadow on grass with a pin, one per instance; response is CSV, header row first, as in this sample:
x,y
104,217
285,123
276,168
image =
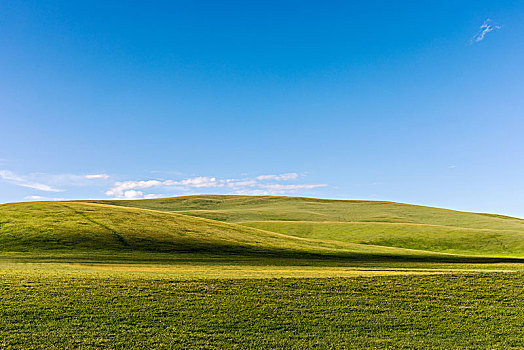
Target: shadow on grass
x,y
245,256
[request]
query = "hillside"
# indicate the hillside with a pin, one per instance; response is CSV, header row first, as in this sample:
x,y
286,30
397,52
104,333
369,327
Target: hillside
x,y
269,208
362,222
87,227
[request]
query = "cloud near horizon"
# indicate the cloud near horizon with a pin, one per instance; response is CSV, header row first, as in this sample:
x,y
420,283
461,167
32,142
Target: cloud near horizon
x,y
96,176
15,179
49,182
281,177
42,198
267,184
260,185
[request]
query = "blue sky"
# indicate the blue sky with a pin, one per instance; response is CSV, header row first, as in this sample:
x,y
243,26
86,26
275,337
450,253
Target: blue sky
x,y
408,101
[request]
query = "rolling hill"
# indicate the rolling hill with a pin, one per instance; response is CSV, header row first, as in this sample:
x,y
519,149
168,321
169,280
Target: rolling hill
x,y
76,227
265,225
362,222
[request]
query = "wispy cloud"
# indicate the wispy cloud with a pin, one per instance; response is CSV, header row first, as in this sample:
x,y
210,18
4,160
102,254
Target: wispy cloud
x,y
262,184
51,182
96,176
281,177
134,194
167,172
484,29
35,198
272,189
22,181
128,189
265,184
42,198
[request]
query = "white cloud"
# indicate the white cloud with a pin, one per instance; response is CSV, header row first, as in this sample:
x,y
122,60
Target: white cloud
x,y
127,188
132,194
49,182
485,28
96,176
267,184
40,198
236,183
281,177
15,179
273,189
61,180
452,166
120,189
198,182
263,184
35,198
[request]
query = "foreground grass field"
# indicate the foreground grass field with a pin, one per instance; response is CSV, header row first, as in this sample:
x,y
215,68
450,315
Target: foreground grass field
x,y
450,311
222,272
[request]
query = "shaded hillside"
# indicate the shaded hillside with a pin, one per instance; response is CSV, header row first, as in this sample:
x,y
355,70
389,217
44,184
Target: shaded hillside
x,y
364,222
81,227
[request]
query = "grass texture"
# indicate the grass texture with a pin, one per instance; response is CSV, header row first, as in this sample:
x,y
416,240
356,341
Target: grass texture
x,y
451,311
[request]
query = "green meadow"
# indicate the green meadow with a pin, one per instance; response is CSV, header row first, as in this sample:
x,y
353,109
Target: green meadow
x,y
221,272
362,222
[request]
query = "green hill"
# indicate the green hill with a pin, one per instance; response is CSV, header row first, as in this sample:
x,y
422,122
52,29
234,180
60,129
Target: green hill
x,y
77,227
264,225
362,222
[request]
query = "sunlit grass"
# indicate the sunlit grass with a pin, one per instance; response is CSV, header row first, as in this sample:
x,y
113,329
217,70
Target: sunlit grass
x,y
307,274
82,228
440,238
120,310
369,222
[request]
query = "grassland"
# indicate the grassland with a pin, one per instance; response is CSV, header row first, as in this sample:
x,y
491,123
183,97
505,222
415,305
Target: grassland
x,y
221,272
363,222
439,238
451,311
84,228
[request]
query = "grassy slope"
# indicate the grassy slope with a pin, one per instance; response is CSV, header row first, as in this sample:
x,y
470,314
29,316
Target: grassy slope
x,y
268,208
87,227
448,239
369,222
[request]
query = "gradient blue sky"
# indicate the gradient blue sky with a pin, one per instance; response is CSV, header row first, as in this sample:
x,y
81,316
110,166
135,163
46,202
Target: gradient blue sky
x,y
417,102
